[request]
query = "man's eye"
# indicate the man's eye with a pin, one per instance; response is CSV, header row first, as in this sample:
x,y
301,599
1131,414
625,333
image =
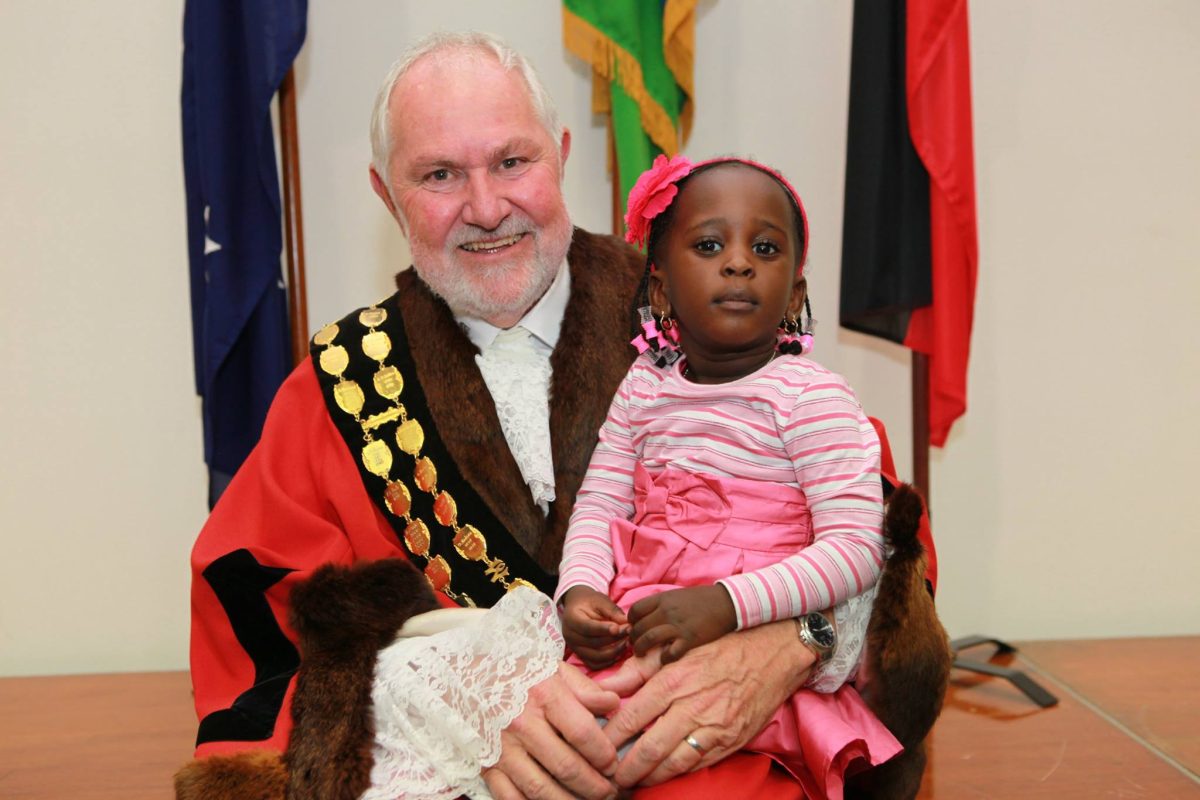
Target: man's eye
x,y
708,246
438,175
511,163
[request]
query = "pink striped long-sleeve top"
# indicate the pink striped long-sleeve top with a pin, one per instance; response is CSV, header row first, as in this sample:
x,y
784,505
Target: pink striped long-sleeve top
x,y
791,422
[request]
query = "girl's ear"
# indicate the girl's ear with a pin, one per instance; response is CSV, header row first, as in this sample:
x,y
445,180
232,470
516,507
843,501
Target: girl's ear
x,y
656,291
799,292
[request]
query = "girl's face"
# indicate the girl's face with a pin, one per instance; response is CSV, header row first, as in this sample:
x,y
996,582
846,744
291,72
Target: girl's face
x,y
727,266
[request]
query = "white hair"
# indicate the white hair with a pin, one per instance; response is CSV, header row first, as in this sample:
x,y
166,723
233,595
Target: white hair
x,y
442,43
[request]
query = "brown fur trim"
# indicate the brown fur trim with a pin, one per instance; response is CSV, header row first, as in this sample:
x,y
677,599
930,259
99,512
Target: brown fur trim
x,y
344,616
253,775
591,359
589,362
909,655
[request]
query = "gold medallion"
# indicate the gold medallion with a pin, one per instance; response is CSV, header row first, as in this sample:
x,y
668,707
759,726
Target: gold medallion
x,y
520,582
326,335
377,458
398,500
425,474
372,317
470,544
410,437
334,360
349,397
445,510
389,383
376,345
416,537
438,573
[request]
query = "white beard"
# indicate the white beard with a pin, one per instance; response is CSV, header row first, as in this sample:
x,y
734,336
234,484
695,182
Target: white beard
x,y
501,291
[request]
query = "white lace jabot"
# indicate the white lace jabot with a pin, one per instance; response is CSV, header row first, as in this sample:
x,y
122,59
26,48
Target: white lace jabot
x,y
515,365
518,377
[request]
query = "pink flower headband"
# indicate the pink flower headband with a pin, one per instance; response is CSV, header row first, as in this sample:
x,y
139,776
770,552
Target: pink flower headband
x,y
655,190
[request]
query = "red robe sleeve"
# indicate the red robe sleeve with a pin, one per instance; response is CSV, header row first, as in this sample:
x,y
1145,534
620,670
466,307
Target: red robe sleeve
x,y
297,503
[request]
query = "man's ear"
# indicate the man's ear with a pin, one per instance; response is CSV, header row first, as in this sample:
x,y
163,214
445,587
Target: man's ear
x,y
564,148
656,291
799,292
381,189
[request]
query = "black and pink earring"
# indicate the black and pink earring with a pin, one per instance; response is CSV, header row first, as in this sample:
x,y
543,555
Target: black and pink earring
x,y
795,339
658,337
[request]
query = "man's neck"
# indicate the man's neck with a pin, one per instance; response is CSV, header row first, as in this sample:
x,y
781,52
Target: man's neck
x,y
543,319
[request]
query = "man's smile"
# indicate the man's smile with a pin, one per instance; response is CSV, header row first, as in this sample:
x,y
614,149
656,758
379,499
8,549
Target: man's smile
x,y
492,245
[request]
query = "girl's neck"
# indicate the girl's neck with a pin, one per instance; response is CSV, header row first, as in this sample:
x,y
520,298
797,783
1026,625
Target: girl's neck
x,y
702,368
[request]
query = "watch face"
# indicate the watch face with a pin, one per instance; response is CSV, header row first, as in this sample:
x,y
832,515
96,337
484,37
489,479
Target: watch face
x,y
821,630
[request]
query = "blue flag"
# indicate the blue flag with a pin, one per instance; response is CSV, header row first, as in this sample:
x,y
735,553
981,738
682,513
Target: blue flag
x,y
236,53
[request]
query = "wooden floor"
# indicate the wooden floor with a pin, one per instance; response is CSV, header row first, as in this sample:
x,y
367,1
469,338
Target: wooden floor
x,y
1127,726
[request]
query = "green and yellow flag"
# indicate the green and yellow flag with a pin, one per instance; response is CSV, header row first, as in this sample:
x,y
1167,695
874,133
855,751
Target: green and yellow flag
x,y
641,54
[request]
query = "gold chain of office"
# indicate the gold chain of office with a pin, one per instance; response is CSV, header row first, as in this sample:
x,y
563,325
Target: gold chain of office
x,y
379,460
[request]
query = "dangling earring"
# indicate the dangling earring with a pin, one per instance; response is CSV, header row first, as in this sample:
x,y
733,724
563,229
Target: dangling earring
x,y
655,340
788,340
794,338
667,324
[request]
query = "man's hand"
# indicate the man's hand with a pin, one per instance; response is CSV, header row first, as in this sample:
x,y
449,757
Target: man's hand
x,y
555,750
594,627
681,619
721,694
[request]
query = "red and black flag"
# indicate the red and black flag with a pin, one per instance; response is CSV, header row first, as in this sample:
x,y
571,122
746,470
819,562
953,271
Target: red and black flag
x,y
909,246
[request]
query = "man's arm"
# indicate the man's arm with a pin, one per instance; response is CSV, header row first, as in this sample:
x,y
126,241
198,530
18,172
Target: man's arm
x,y
297,503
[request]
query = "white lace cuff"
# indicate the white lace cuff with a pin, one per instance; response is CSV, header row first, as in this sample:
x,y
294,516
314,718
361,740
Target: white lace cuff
x,y
851,619
441,701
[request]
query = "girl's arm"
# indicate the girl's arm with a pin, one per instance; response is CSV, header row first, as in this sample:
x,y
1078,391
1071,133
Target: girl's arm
x,y
606,494
835,451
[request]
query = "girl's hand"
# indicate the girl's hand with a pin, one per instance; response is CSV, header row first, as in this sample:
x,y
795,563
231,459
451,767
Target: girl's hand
x,y
680,619
594,627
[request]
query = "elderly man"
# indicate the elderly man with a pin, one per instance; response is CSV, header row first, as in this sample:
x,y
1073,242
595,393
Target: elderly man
x,y
448,428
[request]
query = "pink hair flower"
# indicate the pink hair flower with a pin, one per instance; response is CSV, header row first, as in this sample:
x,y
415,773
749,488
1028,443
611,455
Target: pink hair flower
x,y
650,196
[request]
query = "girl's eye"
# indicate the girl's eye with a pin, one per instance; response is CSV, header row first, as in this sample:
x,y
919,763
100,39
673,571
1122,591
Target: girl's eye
x,y
765,248
708,246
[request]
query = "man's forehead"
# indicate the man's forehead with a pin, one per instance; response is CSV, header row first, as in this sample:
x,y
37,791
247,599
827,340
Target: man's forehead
x,y
453,71
456,109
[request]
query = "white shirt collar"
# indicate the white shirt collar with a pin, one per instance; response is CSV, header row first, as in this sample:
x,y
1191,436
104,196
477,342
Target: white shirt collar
x,y
544,320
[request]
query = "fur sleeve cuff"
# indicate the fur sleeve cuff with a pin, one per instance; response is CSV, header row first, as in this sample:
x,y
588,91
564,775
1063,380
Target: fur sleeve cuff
x,y
254,775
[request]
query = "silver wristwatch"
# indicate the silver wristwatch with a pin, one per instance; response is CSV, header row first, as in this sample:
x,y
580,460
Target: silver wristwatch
x,y
818,635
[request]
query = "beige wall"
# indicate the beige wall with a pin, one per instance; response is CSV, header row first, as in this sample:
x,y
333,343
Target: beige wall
x,y
1060,502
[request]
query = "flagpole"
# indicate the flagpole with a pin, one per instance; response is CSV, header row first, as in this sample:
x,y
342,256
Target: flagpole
x,y
614,169
920,424
293,218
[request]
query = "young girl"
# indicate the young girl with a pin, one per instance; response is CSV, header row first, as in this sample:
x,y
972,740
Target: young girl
x,y
736,482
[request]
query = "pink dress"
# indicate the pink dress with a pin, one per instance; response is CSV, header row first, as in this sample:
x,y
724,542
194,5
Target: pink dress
x,y
692,529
